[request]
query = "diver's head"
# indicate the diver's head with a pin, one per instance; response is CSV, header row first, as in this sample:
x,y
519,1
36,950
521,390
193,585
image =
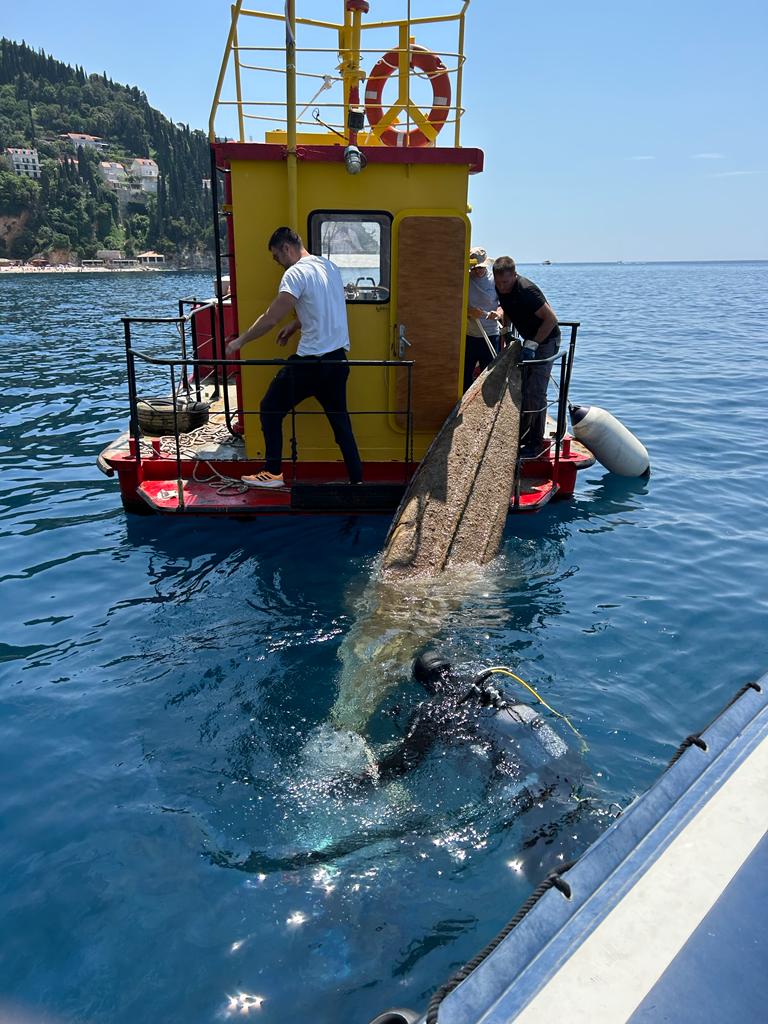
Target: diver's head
x,y
432,670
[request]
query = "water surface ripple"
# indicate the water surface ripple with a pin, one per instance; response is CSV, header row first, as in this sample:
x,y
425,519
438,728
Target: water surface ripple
x,y
162,681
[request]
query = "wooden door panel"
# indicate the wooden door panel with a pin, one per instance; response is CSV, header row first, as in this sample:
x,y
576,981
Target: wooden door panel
x,y
431,280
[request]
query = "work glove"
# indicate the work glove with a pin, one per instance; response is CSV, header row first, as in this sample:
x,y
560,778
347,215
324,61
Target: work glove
x,y
529,350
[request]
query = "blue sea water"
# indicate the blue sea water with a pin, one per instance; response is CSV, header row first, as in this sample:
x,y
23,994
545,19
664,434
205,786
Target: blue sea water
x,y
160,678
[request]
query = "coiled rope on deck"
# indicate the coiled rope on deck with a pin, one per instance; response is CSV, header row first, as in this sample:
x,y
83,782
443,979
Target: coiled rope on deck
x,y
189,447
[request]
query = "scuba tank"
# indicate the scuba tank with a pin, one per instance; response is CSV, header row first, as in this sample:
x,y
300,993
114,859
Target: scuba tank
x,y
546,745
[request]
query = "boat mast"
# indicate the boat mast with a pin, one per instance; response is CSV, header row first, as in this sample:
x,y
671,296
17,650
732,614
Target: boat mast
x,y
290,101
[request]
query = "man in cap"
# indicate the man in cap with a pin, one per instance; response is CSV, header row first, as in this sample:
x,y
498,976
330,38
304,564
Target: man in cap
x,y
482,308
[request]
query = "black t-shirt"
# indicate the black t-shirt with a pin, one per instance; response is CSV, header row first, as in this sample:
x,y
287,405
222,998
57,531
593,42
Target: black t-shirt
x,y
521,304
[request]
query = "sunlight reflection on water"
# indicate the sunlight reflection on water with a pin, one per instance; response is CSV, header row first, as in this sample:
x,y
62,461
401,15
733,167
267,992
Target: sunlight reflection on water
x,y
163,682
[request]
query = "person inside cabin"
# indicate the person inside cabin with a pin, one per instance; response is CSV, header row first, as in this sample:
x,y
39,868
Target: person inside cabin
x,y
482,315
525,307
312,288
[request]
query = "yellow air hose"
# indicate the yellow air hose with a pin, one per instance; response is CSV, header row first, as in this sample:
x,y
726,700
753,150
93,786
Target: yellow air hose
x,y
503,670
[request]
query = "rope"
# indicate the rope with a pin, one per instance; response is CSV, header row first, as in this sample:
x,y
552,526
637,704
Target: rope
x,y
208,433
488,342
695,739
229,485
189,445
328,81
503,670
553,880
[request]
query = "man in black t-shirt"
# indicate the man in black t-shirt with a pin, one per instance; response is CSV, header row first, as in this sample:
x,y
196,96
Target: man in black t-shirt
x,y
528,311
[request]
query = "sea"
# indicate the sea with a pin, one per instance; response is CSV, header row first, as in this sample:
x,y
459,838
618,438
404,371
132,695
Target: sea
x,y
172,844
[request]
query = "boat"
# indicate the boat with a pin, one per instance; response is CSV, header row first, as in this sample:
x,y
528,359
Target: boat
x,y
382,192
663,917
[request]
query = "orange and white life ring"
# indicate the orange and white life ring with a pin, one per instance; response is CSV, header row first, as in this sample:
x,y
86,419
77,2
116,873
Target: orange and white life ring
x,y
426,61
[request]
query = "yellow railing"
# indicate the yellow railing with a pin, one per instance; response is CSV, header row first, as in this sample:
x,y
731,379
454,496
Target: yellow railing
x,y
285,114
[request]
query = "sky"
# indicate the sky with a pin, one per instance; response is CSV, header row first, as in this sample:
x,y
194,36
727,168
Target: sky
x,y
611,131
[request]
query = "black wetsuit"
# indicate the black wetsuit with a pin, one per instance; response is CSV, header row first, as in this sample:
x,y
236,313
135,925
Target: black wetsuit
x,y
512,735
525,754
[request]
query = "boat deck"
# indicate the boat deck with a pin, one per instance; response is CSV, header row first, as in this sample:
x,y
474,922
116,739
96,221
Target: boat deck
x,y
202,472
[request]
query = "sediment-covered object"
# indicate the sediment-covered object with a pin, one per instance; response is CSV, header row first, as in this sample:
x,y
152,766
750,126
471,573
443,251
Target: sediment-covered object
x,y
455,508
449,524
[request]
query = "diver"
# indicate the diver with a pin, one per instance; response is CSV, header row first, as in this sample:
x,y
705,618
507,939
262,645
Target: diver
x,y
474,712
523,763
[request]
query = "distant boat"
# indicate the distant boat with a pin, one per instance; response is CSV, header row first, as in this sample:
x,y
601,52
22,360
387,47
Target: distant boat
x,y
547,263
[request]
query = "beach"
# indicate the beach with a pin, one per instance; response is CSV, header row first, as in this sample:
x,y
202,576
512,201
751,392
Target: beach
x,y
69,269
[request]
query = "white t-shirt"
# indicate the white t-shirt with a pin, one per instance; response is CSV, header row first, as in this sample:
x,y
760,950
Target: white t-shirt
x,y
316,285
482,295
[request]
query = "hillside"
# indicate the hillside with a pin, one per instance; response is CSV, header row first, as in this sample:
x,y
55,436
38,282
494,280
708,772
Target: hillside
x,y
70,207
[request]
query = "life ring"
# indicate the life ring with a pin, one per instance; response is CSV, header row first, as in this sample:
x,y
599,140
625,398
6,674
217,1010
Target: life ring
x,y
426,61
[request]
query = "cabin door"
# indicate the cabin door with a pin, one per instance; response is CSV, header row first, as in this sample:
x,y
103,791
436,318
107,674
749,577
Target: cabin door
x,y
429,310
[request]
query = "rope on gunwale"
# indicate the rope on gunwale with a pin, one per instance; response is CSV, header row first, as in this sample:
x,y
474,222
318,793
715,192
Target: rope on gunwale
x,y
552,881
695,739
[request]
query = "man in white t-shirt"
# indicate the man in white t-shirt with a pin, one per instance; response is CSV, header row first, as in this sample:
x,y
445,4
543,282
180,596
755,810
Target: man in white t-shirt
x,y
311,286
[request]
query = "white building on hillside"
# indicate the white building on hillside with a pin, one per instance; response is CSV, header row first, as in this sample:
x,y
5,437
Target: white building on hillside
x,y
23,161
79,139
150,257
113,173
147,172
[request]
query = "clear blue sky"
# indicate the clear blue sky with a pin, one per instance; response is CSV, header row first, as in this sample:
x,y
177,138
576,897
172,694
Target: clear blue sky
x,y
612,131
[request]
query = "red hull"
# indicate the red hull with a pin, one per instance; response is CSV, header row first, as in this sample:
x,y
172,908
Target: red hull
x,y
153,485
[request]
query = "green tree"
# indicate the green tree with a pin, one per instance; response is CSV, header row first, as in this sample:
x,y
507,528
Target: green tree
x,y
42,99
23,245
17,192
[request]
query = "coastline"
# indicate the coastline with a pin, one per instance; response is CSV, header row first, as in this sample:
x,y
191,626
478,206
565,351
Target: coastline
x,y
103,270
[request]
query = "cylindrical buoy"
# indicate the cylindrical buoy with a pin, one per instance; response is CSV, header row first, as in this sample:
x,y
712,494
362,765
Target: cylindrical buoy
x,y
610,442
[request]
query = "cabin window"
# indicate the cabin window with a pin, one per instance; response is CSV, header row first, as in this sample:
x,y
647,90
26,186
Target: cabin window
x,y
359,244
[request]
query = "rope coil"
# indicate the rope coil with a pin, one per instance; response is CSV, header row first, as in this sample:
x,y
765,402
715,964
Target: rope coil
x,y
189,446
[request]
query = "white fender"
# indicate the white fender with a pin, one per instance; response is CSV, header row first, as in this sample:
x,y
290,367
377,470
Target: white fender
x,y
610,442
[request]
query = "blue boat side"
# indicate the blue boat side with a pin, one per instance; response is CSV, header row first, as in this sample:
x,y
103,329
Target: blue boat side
x,y
663,918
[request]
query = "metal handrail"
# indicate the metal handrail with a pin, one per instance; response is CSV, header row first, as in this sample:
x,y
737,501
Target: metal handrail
x,y
210,361
566,359
185,362
346,49
566,367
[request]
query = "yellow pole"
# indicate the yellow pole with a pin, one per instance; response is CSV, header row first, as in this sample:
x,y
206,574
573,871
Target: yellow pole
x,y
223,70
290,102
238,87
407,74
403,72
460,77
353,76
345,45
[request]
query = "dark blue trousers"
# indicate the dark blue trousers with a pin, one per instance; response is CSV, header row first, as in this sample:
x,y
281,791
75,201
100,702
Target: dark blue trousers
x,y
324,378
